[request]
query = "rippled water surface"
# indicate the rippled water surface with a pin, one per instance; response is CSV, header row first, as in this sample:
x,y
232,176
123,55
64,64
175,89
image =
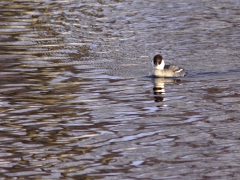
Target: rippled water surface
x,y
77,101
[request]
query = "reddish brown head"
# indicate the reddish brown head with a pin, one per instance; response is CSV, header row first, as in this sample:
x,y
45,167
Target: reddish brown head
x,y
157,60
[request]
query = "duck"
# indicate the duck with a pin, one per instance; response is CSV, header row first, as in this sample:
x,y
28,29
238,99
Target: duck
x,y
162,70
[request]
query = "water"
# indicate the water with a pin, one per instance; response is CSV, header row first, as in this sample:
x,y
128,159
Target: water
x,y
77,101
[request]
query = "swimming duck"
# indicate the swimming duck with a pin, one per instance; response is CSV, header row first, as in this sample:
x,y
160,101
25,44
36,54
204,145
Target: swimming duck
x,y
162,70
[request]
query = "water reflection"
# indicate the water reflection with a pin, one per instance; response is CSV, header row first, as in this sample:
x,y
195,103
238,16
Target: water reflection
x,y
159,87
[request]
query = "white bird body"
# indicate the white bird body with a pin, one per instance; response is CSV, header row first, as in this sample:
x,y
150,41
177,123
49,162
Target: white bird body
x,y
162,70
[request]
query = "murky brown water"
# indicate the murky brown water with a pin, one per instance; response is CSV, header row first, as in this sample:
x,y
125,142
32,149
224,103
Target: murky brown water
x,y
77,101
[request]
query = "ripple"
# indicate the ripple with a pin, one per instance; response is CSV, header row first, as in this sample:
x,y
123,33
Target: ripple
x,y
77,100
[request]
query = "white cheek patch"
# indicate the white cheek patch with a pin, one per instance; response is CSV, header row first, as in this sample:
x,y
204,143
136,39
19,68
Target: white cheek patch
x,y
161,66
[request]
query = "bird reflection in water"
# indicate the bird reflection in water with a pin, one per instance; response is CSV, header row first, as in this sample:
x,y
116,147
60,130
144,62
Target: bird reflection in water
x,y
159,89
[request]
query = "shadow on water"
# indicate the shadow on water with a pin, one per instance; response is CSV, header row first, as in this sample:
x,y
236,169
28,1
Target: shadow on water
x,y
74,103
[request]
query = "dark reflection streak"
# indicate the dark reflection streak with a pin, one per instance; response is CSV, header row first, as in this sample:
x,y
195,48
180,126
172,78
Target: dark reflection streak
x,y
36,88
